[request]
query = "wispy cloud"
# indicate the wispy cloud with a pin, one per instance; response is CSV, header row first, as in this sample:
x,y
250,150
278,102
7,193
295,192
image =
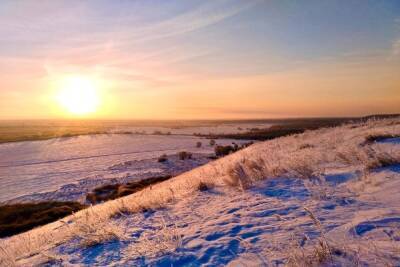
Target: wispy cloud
x,y
196,19
396,42
396,47
76,26
76,37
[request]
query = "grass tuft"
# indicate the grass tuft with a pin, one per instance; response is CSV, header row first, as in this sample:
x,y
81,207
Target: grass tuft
x,y
237,177
92,230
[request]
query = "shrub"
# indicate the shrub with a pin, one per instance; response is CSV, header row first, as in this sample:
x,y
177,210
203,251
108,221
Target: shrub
x,y
223,150
226,150
212,142
113,191
235,146
198,144
183,155
162,158
203,187
18,218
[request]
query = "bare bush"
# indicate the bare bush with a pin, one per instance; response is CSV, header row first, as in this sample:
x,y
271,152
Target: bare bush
x,y
223,150
212,142
183,155
162,158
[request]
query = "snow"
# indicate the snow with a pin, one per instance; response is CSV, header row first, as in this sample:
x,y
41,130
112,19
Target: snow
x,y
394,140
44,170
240,224
324,197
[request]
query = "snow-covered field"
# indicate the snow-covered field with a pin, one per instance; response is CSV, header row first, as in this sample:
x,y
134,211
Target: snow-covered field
x,y
326,197
66,168
215,128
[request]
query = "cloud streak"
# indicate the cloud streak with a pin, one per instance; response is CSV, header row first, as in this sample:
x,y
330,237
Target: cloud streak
x,y
197,19
74,35
396,47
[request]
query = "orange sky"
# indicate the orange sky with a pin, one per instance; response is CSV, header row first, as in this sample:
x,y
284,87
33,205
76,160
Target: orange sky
x,y
201,60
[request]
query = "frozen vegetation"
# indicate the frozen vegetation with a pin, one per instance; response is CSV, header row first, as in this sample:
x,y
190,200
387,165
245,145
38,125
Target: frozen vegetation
x,y
326,197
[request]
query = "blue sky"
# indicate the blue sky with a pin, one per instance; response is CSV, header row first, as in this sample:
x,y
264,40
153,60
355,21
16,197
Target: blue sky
x,y
177,51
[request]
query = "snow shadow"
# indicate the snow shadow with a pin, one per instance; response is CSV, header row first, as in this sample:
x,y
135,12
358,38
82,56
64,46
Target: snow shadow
x,y
283,189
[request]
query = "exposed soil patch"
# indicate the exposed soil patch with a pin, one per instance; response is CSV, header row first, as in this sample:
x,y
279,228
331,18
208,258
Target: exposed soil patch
x,y
18,218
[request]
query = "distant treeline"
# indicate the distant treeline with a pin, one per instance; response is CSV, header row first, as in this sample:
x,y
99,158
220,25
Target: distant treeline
x,y
292,126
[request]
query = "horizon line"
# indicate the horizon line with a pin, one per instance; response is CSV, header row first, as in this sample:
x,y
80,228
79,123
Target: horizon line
x,y
207,119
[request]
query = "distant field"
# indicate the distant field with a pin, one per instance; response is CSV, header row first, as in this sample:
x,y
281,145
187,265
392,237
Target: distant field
x,y
30,131
15,131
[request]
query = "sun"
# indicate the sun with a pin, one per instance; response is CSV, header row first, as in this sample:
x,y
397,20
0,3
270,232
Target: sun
x,y
78,95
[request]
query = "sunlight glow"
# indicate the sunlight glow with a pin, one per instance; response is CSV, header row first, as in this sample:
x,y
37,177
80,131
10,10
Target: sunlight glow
x,y
78,95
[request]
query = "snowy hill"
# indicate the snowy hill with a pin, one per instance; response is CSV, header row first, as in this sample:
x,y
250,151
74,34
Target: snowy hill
x,y
325,197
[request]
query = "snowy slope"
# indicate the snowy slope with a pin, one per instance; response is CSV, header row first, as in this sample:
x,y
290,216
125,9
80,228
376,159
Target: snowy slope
x,y
259,226
326,197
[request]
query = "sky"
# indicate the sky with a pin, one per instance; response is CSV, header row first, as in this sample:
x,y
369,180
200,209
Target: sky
x,y
221,59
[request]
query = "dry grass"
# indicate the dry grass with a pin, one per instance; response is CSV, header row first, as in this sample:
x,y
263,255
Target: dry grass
x,y
320,252
92,230
383,159
6,258
276,158
163,239
341,251
237,176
